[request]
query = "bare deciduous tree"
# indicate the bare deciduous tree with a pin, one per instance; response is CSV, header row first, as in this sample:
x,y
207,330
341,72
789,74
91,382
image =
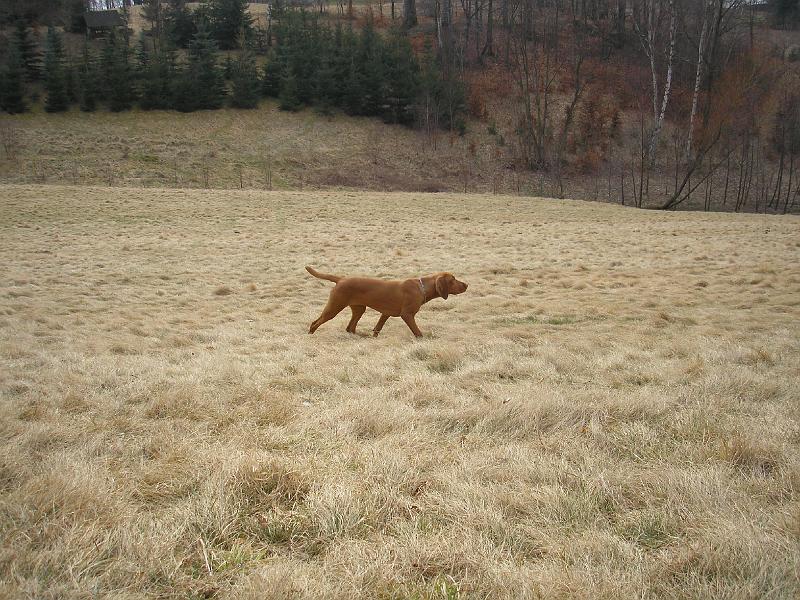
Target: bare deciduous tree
x,y
409,14
649,25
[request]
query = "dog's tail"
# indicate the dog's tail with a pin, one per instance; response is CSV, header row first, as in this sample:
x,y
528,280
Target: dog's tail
x,y
318,275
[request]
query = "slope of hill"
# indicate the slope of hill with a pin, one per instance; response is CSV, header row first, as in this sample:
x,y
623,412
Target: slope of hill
x,y
610,411
231,148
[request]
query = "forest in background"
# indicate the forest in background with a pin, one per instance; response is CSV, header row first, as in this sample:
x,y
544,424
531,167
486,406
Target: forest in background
x,y
668,104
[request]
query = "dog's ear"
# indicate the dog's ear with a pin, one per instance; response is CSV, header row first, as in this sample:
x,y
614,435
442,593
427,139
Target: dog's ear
x,y
442,286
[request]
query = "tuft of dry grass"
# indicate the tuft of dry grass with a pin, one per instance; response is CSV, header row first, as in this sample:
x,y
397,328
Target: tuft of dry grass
x,y
610,411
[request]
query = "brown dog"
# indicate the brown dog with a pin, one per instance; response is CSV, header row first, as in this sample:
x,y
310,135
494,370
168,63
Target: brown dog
x,y
390,298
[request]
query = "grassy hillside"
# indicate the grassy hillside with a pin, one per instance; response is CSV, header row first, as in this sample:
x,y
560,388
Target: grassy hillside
x,y
609,411
268,148
232,148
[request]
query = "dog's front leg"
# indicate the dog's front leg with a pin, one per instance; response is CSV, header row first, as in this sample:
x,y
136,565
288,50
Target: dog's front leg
x,y
412,324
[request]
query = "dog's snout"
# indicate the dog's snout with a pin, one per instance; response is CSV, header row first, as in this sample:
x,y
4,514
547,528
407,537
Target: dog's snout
x,y
466,285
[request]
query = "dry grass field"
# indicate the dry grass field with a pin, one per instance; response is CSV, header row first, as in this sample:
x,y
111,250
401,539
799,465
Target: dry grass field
x,y
610,411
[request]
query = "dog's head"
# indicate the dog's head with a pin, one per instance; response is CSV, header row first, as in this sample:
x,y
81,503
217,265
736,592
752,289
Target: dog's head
x,y
447,284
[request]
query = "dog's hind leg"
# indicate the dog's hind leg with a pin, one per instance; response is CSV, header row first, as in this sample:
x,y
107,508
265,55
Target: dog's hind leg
x,y
357,312
379,325
332,308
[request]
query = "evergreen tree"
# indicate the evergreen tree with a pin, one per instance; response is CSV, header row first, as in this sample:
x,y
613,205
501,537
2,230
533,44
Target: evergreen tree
x,y
12,83
311,64
285,55
786,13
200,86
344,54
183,88
201,16
273,71
76,21
279,8
261,39
156,81
229,20
307,55
55,73
348,66
288,98
325,86
322,83
27,49
338,65
227,68
203,55
179,25
151,75
402,79
358,50
153,12
353,95
142,57
372,71
71,81
246,86
118,72
88,81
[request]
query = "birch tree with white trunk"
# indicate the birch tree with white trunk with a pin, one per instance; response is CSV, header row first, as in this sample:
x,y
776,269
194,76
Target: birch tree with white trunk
x,y
716,20
708,6
651,17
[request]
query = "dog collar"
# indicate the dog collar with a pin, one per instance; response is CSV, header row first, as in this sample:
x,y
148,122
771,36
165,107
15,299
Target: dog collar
x,y
422,287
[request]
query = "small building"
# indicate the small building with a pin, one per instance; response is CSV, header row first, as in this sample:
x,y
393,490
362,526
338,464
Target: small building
x,y
101,22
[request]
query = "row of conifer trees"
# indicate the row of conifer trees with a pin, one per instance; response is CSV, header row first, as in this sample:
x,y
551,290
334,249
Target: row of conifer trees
x,y
309,63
